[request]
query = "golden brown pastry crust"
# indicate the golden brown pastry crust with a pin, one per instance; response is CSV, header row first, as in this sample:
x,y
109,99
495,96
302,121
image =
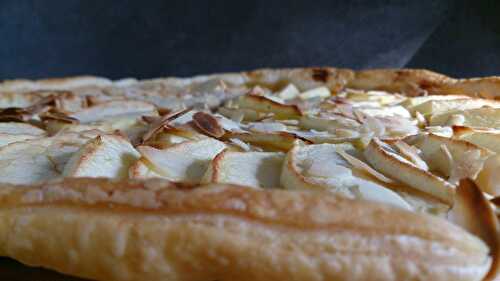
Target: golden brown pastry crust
x,y
406,81
156,230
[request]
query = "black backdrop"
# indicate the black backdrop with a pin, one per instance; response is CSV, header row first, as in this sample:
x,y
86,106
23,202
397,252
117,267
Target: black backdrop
x,y
159,38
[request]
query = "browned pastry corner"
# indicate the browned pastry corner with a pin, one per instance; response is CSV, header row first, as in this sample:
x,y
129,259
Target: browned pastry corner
x,y
156,230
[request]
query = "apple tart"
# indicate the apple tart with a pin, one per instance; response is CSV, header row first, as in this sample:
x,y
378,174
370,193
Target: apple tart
x,y
307,174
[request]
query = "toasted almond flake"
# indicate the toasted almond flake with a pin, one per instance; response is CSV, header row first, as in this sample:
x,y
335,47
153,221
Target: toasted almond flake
x,y
411,153
151,119
472,211
208,124
58,116
161,123
358,164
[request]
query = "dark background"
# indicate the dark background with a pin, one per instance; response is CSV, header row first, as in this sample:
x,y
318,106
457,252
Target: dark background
x,y
164,38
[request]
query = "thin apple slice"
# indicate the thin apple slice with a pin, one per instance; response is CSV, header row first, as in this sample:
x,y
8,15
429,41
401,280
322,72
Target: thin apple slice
x,y
185,161
37,160
472,211
266,105
432,107
384,159
254,169
109,109
466,158
108,156
488,178
322,167
328,123
486,117
413,102
489,139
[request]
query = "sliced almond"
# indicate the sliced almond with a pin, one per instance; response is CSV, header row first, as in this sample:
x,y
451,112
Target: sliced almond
x,y
159,124
58,116
320,92
411,153
358,164
208,124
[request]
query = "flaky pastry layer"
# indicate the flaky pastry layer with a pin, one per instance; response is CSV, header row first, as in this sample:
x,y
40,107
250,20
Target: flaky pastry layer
x,y
156,230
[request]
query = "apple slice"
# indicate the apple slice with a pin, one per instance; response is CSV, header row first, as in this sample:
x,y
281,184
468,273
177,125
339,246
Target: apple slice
x,y
322,167
486,117
384,159
276,141
266,105
489,139
412,102
15,128
466,158
488,178
107,156
328,123
186,161
472,211
254,169
319,92
109,109
432,107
